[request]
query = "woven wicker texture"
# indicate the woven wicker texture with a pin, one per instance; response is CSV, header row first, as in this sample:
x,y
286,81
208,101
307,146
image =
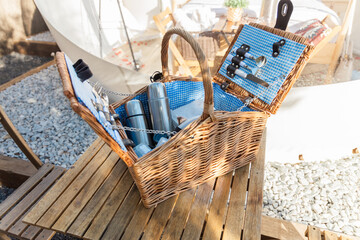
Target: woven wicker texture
x,y
207,148
215,144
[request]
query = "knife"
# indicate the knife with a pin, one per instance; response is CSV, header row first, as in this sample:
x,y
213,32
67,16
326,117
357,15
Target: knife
x,y
231,71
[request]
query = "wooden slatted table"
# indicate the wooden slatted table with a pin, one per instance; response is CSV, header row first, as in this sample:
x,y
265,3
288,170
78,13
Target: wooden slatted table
x,y
97,199
18,204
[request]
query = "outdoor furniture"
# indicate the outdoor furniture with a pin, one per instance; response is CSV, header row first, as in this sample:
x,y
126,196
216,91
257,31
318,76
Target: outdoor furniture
x,y
18,139
97,199
17,205
187,60
13,209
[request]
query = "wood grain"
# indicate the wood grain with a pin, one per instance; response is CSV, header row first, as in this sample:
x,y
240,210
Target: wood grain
x,y
26,187
45,235
138,222
39,209
198,210
218,206
79,226
313,233
236,210
86,193
108,210
159,219
14,171
24,205
177,221
18,139
54,212
330,235
123,216
252,222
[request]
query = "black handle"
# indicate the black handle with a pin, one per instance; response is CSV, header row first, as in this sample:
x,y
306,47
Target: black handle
x,y
285,8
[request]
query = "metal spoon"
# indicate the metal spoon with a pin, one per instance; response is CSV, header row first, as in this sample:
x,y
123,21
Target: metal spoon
x,y
260,61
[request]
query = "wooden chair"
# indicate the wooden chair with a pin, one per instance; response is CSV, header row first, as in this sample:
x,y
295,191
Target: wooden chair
x,y
161,21
17,205
18,139
190,67
327,52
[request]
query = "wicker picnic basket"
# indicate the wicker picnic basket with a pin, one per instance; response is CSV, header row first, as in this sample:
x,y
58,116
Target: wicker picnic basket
x,y
215,144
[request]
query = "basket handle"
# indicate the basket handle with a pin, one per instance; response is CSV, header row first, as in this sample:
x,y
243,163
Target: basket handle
x,y
205,72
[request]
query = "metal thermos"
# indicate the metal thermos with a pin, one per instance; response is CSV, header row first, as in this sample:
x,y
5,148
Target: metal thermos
x,y
159,107
136,118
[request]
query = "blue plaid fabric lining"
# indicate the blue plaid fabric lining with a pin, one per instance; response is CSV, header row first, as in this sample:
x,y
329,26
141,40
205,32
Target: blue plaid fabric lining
x,y
181,93
276,69
85,97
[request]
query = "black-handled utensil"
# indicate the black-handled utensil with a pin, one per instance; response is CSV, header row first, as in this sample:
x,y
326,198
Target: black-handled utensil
x,y
285,8
232,71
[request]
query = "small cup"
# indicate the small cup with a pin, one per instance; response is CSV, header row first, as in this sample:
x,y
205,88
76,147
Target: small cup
x,y
141,149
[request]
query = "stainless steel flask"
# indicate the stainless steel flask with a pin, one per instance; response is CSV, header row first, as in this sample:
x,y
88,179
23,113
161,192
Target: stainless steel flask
x,y
159,107
136,118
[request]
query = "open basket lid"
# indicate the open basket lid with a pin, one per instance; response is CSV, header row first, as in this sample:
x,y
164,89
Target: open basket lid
x,y
279,72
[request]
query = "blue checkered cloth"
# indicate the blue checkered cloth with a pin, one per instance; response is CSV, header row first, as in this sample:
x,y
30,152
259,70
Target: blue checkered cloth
x,y
181,93
276,69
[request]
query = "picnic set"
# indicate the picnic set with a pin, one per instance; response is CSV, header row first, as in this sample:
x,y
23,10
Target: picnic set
x,y
179,132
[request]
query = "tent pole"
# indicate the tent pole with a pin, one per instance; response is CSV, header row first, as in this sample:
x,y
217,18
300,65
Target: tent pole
x,y
137,67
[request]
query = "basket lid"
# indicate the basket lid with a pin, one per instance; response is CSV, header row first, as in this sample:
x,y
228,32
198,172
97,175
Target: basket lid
x,y
263,87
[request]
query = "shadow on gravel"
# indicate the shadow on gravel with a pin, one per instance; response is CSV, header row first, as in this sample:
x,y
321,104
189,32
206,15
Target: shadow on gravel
x,y
15,64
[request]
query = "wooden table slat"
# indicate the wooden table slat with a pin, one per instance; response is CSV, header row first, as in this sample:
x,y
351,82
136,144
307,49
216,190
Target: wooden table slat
x,y
31,232
53,213
198,210
26,187
30,198
19,227
159,219
108,210
236,210
314,233
75,207
252,222
123,216
39,209
45,235
217,212
138,222
83,220
330,235
177,221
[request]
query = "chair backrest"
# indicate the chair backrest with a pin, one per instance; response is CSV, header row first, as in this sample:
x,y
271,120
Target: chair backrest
x,y
18,139
161,21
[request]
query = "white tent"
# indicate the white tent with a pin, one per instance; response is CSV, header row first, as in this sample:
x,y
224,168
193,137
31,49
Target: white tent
x,y
92,29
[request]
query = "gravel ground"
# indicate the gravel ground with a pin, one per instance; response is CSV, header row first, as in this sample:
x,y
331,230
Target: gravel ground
x,y
15,64
4,192
42,114
324,194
